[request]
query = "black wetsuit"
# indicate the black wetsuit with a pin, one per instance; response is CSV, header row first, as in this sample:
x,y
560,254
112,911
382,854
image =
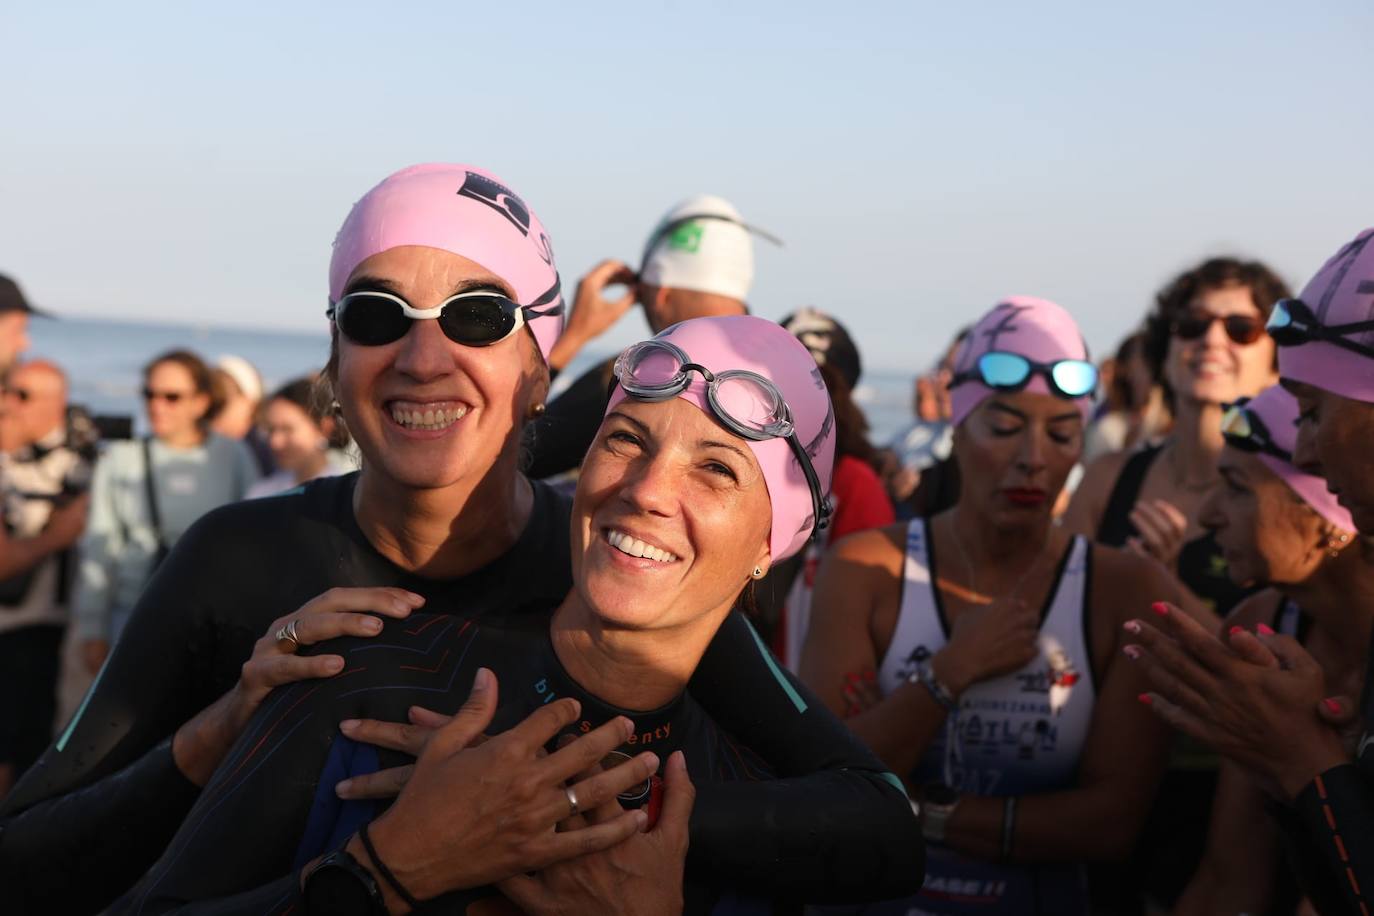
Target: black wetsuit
x,y
102,803
247,837
560,439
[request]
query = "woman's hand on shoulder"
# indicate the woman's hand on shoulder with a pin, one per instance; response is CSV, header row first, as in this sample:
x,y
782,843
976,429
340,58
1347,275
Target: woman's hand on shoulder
x,y
201,743
640,876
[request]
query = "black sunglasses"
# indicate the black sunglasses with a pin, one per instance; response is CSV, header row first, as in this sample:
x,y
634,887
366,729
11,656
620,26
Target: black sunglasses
x,y
171,397
1293,323
1242,329
474,319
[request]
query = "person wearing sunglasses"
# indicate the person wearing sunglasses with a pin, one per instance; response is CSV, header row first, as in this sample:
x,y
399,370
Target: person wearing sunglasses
x,y
147,493
1284,531
1269,705
439,517
714,460
1205,341
975,650
698,261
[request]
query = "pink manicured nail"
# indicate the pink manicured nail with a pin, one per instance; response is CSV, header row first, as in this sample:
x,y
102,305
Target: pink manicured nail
x,y
1132,652
1332,706
1160,608
1265,630
1145,698
1131,626
1235,630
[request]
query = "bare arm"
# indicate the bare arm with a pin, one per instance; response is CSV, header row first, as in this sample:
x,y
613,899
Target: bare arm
x,y
18,555
1236,873
1122,760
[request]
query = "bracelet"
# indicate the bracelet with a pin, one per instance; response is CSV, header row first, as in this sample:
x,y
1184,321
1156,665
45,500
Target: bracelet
x,y
1008,825
385,872
938,691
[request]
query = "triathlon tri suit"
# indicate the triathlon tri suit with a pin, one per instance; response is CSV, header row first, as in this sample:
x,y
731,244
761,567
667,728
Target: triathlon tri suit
x,y
1201,562
1018,734
103,802
247,837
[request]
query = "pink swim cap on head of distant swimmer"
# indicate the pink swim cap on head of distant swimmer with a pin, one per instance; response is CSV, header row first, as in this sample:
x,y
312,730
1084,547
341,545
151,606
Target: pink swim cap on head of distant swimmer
x,y
759,345
1342,292
461,209
1278,411
1037,329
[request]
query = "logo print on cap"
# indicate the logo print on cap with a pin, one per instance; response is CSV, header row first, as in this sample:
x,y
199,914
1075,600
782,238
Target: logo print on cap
x,y
500,198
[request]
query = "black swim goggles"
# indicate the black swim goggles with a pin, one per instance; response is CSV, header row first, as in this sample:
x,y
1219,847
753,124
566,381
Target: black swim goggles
x,y
1003,371
1243,429
1292,322
478,318
745,402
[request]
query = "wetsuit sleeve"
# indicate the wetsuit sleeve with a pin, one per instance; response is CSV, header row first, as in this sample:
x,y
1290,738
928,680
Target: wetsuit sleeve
x,y
1330,830
56,856
834,826
106,782
562,436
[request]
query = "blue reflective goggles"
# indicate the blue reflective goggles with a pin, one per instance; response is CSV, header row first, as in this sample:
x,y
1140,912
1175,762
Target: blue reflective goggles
x,y
1067,378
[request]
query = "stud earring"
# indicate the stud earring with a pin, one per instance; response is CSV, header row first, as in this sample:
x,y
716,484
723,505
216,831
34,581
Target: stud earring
x,y
1334,545
758,572
537,410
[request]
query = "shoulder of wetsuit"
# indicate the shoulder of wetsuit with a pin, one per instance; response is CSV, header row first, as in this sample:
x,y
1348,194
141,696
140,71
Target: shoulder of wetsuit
x,y
560,438
1331,832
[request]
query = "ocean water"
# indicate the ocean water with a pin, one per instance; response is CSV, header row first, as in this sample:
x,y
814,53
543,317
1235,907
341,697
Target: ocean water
x,y
104,362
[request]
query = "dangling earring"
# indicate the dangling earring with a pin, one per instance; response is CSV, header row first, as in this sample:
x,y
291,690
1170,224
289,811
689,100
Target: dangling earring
x,y
1334,545
335,406
758,572
537,410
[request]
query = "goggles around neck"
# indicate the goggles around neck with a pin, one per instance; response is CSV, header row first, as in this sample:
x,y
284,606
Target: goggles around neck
x,y
1004,371
478,318
1243,429
745,402
1292,322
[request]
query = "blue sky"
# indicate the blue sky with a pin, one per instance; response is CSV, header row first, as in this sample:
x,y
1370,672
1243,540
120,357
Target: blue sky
x,y
174,162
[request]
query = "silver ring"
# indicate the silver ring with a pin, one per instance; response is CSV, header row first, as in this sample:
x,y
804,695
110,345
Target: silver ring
x,y
572,800
288,634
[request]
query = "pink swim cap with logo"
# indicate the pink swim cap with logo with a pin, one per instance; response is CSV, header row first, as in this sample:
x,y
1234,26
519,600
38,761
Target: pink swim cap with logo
x,y
1342,292
460,209
759,345
1037,329
1278,410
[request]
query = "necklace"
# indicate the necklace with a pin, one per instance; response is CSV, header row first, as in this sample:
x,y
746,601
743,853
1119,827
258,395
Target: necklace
x,y
973,572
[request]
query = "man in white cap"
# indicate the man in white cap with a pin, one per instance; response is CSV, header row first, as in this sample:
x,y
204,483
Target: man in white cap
x,y
698,261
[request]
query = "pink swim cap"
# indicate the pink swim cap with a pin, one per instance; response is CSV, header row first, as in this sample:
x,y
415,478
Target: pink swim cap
x,y
461,209
1034,328
759,345
1278,411
1342,292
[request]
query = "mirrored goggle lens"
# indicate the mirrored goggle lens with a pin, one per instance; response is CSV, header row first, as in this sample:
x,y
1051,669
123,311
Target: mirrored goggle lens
x,y
371,320
1235,423
1003,370
1075,377
478,321
752,403
1280,317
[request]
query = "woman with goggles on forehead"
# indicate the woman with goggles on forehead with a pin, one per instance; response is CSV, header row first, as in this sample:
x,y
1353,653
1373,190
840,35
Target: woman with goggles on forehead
x,y
1261,699
975,651
713,459
1281,529
444,298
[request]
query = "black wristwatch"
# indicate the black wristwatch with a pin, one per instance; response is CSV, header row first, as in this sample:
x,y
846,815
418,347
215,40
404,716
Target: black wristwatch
x,y
339,886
